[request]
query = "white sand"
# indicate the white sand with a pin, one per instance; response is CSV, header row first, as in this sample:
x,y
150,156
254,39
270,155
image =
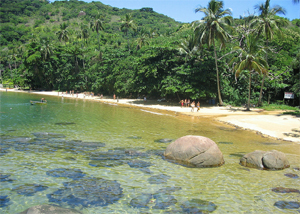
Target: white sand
x,y
272,124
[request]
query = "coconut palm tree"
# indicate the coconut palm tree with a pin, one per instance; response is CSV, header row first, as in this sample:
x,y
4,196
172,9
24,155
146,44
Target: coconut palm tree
x,y
250,59
211,28
97,26
63,33
188,47
267,23
127,24
142,39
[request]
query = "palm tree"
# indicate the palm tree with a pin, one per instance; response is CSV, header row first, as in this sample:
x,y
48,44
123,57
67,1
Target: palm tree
x,y
213,27
97,26
268,23
63,33
46,49
188,47
127,24
250,58
142,40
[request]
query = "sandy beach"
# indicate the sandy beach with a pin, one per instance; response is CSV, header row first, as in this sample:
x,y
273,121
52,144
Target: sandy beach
x,y
271,124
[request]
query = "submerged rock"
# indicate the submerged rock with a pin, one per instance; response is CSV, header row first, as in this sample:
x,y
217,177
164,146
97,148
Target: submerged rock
x,y
134,137
29,189
287,205
49,209
48,135
116,157
223,142
198,206
87,192
141,201
165,140
163,200
158,179
67,173
4,200
291,175
195,151
65,123
157,200
139,164
5,178
285,190
273,160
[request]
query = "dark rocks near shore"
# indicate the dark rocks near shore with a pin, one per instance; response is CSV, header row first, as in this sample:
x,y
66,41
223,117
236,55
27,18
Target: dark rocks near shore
x,y
4,200
195,151
272,160
291,175
158,179
74,174
198,206
29,189
291,205
158,200
87,192
285,190
49,209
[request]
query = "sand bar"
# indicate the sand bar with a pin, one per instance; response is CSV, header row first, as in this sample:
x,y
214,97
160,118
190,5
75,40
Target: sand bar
x,y
267,123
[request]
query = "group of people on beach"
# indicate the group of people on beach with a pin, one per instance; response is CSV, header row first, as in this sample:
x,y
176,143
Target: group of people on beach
x,y
187,103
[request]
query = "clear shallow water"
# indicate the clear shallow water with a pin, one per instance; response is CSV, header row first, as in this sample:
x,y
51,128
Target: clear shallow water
x,y
230,187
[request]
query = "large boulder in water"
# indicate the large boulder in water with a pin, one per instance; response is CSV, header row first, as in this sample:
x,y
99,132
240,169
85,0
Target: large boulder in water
x,y
195,151
273,160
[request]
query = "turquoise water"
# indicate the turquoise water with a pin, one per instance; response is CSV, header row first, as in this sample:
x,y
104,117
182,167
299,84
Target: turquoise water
x,y
232,188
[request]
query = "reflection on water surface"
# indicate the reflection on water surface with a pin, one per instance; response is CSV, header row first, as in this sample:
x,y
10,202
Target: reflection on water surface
x,y
100,158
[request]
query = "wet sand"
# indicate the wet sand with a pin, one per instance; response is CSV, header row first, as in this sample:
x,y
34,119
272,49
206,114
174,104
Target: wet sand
x,y
272,124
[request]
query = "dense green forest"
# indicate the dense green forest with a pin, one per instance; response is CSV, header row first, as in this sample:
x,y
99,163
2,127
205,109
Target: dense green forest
x,y
74,45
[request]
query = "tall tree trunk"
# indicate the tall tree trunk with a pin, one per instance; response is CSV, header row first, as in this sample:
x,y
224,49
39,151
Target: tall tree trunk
x,y
218,81
263,80
248,106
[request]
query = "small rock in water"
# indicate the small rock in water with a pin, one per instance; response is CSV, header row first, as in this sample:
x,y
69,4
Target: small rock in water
x,y
106,163
141,201
5,178
165,140
222,142
65,123
48,135
29,189
291,175
169,190
75,174
145,170
139,164
135,137
287,205
4,200
285,190
297,169
158,179
198,206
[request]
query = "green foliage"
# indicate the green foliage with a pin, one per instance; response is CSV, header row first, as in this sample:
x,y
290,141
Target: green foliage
x,y
55,46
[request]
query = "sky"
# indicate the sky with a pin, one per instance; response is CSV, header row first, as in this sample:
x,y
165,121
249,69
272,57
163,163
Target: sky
x,y
184,10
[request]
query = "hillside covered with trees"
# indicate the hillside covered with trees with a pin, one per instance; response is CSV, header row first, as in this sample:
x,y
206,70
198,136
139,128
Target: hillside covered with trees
x,y
74,45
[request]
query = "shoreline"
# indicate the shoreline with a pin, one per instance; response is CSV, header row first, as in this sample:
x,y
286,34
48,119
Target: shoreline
x,y
271,124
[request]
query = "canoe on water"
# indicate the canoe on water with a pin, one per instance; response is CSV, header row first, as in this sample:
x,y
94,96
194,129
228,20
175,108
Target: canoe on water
x,y
37,103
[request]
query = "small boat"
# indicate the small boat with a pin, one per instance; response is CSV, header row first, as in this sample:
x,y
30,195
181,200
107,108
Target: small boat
x,y
38,102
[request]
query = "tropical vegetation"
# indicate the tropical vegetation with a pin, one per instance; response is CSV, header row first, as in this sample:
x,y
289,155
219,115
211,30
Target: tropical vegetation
x,y
74,45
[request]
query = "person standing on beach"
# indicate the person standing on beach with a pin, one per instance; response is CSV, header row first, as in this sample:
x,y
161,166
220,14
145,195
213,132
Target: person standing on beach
x,y
193,106
198,106
114,96
182,103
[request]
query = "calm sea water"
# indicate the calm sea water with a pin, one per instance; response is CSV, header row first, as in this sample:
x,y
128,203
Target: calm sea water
x,y
28,161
